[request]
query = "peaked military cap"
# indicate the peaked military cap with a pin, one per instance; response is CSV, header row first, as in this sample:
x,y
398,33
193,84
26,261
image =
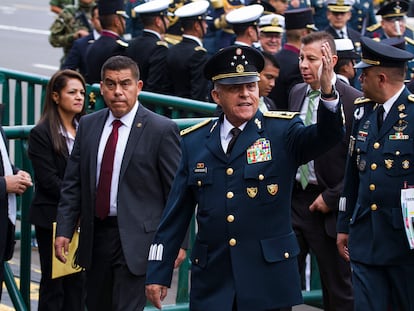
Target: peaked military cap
x,y
153,8
246,15
345,49
380,54
194,10
109,7
299,19
268,8
340,6
393,9
235,65
272,23
397,42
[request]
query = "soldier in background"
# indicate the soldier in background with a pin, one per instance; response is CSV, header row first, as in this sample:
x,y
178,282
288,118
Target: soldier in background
x,y
363,16
394,25
71,24
56,6
110,43
244,22
186,60
347,56
271,28
298,23
149,50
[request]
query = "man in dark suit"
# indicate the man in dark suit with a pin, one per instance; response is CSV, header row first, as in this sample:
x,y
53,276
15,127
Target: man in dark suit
x,y
339,14
371,223
76,58
149,50
110,43
315,200
298,23
245,251
186,60
118,204
12,182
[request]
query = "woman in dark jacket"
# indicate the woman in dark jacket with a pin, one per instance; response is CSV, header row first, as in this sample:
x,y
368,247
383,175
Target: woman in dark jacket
x,y
50,143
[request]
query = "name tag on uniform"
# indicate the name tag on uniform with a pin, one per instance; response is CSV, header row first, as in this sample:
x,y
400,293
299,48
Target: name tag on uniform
x,y
260,151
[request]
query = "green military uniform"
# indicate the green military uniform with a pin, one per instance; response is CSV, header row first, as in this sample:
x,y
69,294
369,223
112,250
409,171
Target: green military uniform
x,y
69,21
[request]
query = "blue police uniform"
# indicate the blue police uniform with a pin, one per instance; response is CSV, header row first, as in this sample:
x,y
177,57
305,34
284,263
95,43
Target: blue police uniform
x,y
245,250
379,164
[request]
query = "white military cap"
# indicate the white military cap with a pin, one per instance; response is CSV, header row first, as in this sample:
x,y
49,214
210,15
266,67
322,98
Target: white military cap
x,y
341,6
154,7
345,49
245,15
193,10
272,23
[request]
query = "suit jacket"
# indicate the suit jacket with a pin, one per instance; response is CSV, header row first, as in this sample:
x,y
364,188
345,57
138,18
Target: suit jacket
x,y
6,228
185,63
330,166
106,46
289,75
149,163
245,248
150,53
379,162
76,58
49,169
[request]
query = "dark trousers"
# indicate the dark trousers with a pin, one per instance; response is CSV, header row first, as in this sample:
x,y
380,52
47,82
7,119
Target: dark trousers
x,y
377,288
110,285
335,272
65,293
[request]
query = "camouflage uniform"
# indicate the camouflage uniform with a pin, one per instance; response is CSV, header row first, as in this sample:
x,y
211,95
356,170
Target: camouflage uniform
x,y
69,21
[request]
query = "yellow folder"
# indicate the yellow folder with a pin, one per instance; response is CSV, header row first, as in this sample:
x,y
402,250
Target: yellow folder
x,y
59,268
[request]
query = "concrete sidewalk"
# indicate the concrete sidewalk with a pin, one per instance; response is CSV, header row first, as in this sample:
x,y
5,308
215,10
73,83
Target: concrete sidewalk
x,y
7,305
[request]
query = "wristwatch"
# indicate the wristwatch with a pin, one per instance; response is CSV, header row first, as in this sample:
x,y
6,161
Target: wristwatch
x,y
330,95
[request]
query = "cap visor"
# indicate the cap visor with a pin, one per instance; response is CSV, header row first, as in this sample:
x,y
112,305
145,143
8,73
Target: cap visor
x,y
362,65
238,80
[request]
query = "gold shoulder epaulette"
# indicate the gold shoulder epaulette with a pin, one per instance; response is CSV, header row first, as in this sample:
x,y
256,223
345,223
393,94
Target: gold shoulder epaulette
x,y
195,127
361,100
163,43
172,39
409,27
200,48
373,27
409,40
122,43
411,98
280,114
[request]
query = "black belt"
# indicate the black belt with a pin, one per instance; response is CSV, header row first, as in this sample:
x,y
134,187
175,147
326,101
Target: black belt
x,y
309,187
110,221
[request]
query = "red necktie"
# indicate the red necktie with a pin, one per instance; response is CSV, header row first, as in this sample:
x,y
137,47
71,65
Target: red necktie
x,y
103,193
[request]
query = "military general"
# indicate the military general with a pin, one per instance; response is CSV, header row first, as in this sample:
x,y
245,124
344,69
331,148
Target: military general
x,y
239,170
380,165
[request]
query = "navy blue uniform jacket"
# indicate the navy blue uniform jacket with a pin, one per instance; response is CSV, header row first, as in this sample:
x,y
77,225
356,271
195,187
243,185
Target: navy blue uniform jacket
x,y
245,246
378,165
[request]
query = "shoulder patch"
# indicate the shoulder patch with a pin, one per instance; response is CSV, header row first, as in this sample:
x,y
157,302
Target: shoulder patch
x,y
195,127
409,40
361,100
200,48
280,114
122,43
162,43
411,98
373,27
